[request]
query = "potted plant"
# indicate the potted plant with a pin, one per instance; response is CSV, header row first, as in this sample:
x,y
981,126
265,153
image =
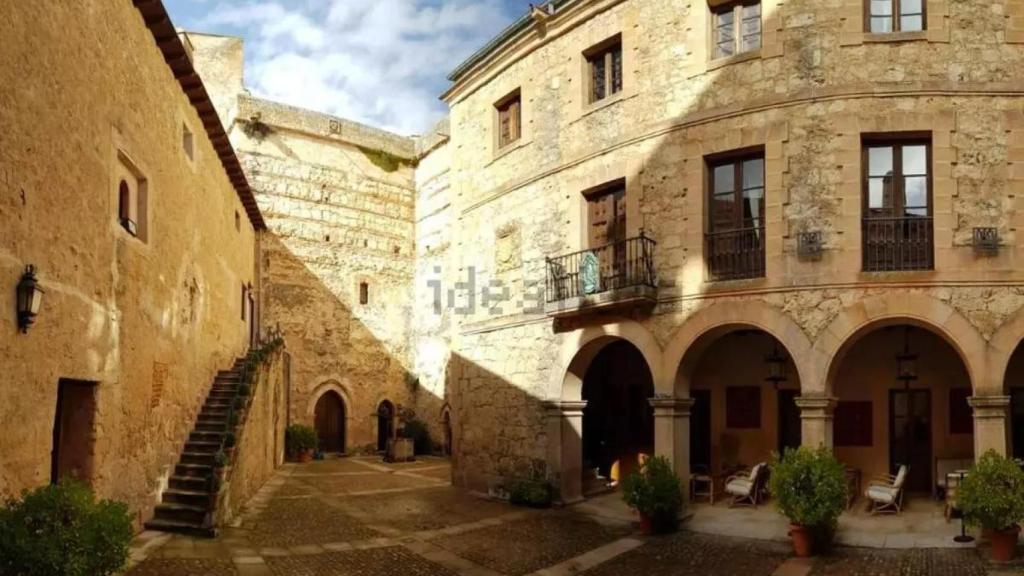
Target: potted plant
x,y
300,441
533,492
992,496
809,487
656,493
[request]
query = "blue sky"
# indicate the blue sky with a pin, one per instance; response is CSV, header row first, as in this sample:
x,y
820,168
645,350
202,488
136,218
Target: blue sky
x,y
382,62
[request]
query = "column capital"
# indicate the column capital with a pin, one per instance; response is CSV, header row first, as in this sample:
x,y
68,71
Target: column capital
x,y
816,407
668,406
989,406
560,408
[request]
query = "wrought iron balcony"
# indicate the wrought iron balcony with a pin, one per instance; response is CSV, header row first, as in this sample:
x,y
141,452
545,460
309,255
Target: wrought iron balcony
x,y
735,254
895,244
616,274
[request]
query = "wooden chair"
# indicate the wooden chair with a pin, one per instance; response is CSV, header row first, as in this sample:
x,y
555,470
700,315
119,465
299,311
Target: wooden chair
x,y
886,493
746,487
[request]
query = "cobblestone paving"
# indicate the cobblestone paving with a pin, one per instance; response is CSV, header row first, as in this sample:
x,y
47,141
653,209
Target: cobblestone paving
x,y
867,562
390,561
184,567
361,517
689,553
516,548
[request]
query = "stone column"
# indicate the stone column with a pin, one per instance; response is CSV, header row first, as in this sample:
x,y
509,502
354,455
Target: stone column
x,y
565,447
672,435
816,420
990,429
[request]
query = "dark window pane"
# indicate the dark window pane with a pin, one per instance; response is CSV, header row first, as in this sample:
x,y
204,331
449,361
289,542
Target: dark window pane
x,y
616,70
753,207
753,173
724,177
725,39
597,68
751,30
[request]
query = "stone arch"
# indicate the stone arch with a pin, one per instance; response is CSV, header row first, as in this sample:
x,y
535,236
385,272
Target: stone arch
x,y
708,324
327,385
579,350
867,315
1002,345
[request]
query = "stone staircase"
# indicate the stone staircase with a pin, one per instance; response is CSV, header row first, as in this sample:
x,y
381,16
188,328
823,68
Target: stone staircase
x,y
185,504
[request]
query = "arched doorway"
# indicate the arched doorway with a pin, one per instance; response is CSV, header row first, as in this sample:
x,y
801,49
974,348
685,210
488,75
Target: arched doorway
x,y
902,399
618,421
385,424
329,418
744,387
1015,390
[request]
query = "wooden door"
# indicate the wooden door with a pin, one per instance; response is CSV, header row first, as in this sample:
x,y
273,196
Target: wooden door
x,y
73,431
330,423
607,217
700,431
910,436
790,434
385,424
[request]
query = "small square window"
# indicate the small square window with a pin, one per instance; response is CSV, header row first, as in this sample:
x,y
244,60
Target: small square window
x,y
604,69
187,142
510,121
737,28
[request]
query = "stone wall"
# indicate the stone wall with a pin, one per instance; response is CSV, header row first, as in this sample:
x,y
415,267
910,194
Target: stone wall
x,y
805,98
85,99
260,447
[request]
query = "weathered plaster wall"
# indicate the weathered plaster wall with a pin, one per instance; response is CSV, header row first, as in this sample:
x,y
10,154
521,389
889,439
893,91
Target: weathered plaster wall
x,y
817,84
151,322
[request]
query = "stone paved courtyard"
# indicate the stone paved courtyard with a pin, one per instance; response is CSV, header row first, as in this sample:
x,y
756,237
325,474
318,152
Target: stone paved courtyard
x,y
361,517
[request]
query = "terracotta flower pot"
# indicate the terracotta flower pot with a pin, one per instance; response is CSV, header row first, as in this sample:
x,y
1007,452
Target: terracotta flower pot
x,y
803,540
305,456
1004,543
646,524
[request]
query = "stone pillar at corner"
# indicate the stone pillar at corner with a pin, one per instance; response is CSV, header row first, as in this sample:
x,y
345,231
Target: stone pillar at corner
x,y
565,447
990,428
816,419
672,435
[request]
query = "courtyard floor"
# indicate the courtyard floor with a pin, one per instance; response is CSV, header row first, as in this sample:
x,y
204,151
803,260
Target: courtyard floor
x,y
361,517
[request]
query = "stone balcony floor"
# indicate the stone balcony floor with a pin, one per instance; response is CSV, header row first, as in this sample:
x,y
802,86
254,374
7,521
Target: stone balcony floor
x,y
360,517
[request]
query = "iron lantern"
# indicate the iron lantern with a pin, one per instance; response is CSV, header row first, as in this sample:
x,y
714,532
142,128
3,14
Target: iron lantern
x,y
776,361
906,362
30,298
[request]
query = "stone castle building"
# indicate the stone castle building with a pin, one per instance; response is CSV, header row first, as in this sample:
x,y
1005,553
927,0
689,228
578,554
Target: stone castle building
x,y
702,229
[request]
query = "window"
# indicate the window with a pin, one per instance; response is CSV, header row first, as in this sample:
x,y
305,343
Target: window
x,y
897,213
743,407
509,119
885,16
736,225
187,142
604,69
126,208
737,28
364,293
132,195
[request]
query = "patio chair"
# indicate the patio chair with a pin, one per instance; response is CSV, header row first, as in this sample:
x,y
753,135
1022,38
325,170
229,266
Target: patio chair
x,y
746,487
886,493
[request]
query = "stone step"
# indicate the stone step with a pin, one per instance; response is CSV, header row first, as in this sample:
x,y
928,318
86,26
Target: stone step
x,y
181,513
188,497
203,446
206,436
186,528
214,426
218,394
188,469
188,483
212,413
196,458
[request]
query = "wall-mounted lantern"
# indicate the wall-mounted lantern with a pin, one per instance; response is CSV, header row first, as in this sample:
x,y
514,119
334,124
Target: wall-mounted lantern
x,y
776,362
30,298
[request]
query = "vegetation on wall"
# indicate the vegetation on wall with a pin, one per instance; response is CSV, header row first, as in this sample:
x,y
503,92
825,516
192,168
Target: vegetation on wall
x,y
62,530
386,161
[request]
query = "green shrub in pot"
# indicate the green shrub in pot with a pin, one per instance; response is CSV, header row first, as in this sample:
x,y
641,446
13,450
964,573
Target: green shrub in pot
x,y
656,493
809,487
300,440
992,497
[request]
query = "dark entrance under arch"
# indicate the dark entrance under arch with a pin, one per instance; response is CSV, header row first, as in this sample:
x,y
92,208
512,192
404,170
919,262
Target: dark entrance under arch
x,y
330,422
618,421
385,424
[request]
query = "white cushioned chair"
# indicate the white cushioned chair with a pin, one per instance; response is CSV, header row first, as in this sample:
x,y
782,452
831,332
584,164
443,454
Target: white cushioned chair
x,y
886,493
745,487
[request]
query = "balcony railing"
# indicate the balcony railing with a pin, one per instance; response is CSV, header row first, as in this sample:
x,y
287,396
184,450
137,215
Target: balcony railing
x,y
735,254
893,244
624,264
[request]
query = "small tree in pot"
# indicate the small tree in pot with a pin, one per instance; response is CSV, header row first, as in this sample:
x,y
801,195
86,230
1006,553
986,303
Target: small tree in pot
x,y
992,496
656,493
300,441
809,487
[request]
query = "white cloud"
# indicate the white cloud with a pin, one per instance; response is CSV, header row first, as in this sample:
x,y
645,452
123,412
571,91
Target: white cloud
x,y
382,62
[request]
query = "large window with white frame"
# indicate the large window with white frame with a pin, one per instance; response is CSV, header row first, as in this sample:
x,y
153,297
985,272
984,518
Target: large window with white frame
x,y
886,16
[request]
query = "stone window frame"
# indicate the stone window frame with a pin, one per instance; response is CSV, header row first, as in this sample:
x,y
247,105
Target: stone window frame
x,y
855,29
509,106
498,150
604,52
896,15
716,8
596,175
600,33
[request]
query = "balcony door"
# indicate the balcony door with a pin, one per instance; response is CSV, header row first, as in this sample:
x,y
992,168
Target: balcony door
x,y
736,221
606,209
897,227
910,436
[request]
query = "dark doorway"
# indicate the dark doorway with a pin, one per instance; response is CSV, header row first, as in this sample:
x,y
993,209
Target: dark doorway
x,y
330,422
910,440
789,421
618,421
73,427
1017,421
447,423
385,424
700,431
